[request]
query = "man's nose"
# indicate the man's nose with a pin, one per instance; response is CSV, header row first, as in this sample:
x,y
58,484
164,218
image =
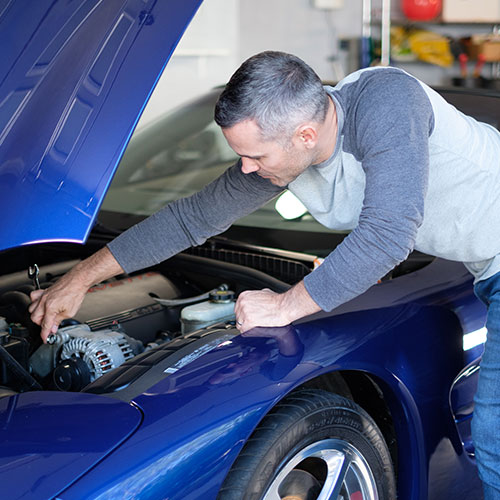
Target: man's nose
x,y
248,165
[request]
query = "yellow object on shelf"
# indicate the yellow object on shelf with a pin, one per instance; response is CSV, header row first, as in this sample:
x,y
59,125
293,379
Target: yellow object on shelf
x,y
430,47
410,44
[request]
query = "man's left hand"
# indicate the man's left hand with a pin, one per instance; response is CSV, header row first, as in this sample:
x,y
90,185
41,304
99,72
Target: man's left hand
x,y
267,308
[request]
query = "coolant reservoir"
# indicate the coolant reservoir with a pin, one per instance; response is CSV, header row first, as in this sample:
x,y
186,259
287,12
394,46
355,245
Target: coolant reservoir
x,y
219,308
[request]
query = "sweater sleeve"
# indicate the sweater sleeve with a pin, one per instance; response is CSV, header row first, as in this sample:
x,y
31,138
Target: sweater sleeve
x,y
389,127
190,221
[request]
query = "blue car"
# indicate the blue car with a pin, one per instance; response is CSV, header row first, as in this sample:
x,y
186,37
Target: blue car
x,y
150,392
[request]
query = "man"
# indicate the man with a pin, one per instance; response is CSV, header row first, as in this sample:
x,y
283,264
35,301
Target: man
x,y
381,154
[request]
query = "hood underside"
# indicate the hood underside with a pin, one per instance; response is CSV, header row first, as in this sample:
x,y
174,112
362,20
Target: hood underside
x,y
73,82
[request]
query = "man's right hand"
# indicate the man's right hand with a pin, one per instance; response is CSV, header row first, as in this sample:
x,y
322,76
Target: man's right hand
x,y
63,299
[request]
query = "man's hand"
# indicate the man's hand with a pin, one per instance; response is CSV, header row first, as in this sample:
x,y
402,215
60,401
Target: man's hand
x,y
63,299
267,308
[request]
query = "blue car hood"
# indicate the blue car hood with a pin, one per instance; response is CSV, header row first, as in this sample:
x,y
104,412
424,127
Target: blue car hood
x,y
74,78
51,438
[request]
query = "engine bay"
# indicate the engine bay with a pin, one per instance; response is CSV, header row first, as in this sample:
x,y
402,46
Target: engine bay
x,y
119,319
126,318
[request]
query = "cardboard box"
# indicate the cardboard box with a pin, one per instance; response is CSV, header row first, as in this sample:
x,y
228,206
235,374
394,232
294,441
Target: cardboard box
x,y
488,45
471,11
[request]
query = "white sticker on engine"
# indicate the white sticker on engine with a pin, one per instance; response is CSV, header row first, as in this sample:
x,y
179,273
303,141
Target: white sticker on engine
x,y
197,353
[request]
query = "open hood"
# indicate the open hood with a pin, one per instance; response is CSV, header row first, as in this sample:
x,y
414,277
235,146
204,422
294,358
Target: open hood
x,y
75,76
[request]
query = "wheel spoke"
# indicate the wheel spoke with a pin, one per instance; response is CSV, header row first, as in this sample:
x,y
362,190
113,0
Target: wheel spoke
x,y
338,463
272,492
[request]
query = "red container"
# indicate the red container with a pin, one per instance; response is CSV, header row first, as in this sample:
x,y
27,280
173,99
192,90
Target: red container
x,y
421,10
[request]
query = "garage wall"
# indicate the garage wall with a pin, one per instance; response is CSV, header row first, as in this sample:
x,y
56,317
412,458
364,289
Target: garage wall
x,y
225,32
295,26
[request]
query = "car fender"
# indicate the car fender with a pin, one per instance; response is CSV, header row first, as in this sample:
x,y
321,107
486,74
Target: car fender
x,y
198,418
49,438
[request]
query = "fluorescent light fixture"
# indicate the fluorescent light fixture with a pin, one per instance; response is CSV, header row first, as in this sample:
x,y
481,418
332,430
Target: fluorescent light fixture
x,y
328,4
475,338
289,206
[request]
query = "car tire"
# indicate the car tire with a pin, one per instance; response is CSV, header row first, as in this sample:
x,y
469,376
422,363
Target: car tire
x,y
313,443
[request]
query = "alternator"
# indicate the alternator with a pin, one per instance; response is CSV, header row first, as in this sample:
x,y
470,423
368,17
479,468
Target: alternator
x,y
101,350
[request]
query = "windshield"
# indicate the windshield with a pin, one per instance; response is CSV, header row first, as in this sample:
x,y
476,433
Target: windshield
x,y
178,155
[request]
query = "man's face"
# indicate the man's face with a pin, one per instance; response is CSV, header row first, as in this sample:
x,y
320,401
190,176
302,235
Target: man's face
x,y
269,159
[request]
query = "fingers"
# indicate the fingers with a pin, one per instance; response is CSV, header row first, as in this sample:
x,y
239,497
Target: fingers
x,y
35,297
258,308
37,307
43,314
242,327
48,328
241,323
53,305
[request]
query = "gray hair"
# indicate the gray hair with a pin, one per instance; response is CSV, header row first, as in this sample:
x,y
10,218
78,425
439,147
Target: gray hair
x,y
277,90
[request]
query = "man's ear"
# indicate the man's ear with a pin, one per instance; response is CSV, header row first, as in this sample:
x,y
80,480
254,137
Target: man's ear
x,y
307,135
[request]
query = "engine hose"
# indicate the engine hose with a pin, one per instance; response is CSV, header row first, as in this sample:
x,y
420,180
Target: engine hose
x,y
21,375
188,300
18,302
19,299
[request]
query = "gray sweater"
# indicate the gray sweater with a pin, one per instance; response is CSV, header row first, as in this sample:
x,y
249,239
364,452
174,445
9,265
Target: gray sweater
x,y
409,171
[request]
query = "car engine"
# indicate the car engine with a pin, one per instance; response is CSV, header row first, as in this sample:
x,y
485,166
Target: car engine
x,y
79,356
118,319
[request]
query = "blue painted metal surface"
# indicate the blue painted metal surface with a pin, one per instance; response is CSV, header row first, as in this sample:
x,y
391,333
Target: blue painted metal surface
x,y
50,438
198,419
73,83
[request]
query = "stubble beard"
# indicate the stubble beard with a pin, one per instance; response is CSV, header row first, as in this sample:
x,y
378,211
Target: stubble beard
x,y
299,163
